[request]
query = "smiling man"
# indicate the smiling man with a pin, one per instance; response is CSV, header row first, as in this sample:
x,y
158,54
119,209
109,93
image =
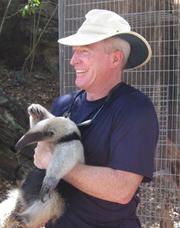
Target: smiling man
x,y
118,124
91,61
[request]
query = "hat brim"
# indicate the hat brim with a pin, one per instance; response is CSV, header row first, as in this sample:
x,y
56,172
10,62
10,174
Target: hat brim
x,y
140,49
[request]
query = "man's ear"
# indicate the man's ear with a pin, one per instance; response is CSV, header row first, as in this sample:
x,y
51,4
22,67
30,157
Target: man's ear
x,y
117,58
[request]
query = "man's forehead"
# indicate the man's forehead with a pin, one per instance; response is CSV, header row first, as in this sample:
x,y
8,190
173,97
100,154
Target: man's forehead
x,y
89,46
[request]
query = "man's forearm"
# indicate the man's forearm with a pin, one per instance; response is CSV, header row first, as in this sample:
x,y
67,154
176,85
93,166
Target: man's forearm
x,y
104,183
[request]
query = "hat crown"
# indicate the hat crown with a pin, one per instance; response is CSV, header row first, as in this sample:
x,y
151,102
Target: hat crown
x,y
104,22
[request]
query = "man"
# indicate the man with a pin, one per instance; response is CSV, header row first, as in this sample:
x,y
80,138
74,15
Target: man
x,y
119,126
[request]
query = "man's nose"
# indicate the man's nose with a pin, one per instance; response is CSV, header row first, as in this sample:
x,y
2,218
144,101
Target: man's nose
x,y
74,59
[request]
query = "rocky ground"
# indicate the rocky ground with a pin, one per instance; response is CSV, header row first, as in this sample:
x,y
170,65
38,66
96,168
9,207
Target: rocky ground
x,y
26,88
35,87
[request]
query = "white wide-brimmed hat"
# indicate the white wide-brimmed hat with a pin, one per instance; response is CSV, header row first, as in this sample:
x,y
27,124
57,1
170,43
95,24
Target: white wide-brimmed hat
x,y
102,24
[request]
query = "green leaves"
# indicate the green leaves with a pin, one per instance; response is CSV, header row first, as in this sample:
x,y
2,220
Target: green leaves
x,y
31,7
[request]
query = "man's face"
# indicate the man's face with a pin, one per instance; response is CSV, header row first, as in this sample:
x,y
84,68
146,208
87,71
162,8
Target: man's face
x,y
91,64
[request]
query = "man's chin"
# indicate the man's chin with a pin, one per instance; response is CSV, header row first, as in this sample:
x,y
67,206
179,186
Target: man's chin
x,y
80,84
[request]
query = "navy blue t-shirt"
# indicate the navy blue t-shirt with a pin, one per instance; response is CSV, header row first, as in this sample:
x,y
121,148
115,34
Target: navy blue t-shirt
x,y
123,136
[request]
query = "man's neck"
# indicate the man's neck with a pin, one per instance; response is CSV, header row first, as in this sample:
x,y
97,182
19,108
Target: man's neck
x,y
100,92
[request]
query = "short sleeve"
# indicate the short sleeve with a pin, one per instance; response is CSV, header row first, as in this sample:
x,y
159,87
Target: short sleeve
x,y
61,104
134,138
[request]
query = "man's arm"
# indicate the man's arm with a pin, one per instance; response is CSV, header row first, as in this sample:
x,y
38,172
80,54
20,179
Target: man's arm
x,y
101,182
105,183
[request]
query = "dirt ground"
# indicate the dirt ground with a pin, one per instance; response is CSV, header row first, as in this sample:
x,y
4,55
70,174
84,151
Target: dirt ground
x,y
35,87
30,87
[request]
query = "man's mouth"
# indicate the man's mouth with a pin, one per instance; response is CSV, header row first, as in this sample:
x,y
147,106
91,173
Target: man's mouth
x,y
81,71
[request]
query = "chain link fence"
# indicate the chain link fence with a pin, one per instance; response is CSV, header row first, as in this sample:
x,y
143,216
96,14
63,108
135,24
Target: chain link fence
x,y
159,22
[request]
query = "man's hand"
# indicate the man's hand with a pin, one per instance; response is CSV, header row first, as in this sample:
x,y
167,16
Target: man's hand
x,y
43,154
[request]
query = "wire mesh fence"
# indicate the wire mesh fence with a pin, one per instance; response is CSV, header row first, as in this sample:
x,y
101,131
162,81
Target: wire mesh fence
x,y
159,22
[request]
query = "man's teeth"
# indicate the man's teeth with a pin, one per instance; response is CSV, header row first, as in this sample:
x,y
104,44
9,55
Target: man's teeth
x,y
80,71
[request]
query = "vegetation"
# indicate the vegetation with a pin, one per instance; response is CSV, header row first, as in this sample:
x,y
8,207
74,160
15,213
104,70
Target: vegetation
x,y
31,7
